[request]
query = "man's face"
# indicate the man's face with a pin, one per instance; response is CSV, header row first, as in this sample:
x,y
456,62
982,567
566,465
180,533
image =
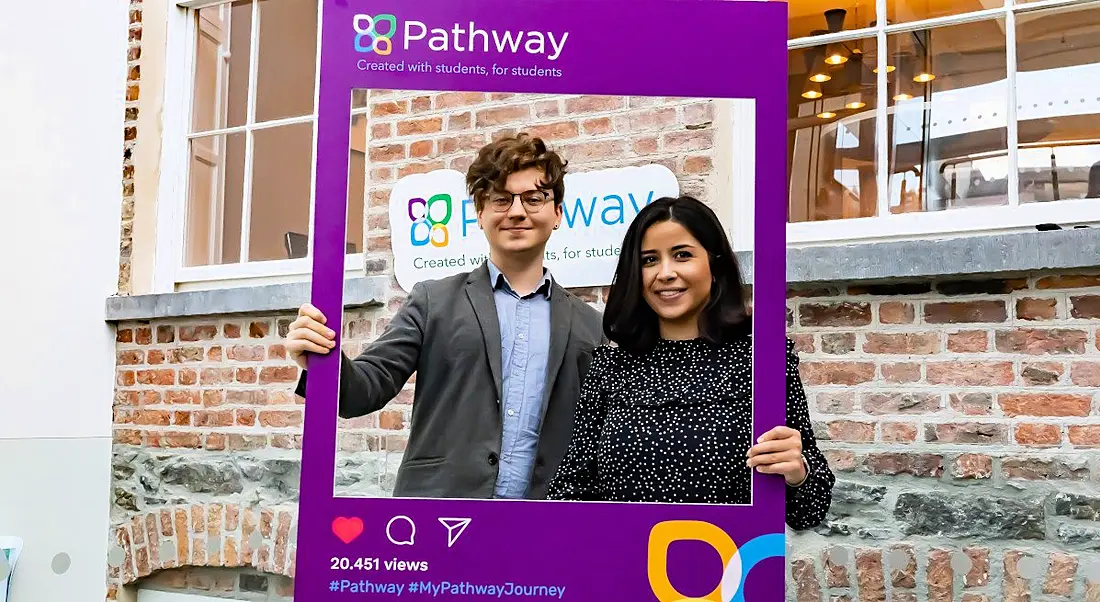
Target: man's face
x,y
511,224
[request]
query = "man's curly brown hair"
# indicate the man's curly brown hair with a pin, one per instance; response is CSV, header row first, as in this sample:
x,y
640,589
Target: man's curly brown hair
x,y
507,155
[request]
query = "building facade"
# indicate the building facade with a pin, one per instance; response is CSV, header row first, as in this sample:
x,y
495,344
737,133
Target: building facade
x,y
948,344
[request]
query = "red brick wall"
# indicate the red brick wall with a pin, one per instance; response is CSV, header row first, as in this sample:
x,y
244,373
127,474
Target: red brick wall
x,y
1007,363
217,386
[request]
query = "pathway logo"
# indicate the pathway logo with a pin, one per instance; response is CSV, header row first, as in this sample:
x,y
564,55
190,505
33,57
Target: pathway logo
x,y
430,219
377,34
736,561
436,232
368,34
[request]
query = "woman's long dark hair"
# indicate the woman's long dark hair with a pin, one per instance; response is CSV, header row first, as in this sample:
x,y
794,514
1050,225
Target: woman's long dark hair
x,y
628,320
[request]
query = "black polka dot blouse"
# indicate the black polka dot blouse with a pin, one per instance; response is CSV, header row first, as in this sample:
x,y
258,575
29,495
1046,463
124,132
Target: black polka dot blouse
x,y
673,426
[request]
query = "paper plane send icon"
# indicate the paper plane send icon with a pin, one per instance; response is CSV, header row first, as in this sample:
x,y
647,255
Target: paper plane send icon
x,y
455,527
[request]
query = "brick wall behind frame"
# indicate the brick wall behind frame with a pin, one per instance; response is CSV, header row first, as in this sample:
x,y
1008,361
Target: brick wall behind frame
x,y
961,419
417,132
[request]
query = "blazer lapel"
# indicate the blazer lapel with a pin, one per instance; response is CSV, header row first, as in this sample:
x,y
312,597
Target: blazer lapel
x,y
480,292
561,324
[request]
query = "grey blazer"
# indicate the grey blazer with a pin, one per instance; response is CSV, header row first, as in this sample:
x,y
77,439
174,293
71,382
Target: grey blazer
x,y
448,334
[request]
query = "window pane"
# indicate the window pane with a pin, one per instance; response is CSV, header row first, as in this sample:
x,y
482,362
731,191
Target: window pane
x,y
222,40
831,134
287,59
281,185
815,17
359,98
357,181
947,125
904,11
1058,104
214,200
298,242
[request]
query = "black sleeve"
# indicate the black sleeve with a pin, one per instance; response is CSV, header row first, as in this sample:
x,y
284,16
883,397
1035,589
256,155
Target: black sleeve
x,y
577,478
376,376
807,503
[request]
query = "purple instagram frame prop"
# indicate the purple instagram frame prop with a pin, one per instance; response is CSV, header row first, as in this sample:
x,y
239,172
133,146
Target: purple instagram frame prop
x,y
583,551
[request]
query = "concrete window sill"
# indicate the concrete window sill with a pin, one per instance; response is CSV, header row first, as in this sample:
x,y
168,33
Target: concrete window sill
x,y
875,262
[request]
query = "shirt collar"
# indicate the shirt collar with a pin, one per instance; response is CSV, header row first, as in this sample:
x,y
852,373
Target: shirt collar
x,y
498,280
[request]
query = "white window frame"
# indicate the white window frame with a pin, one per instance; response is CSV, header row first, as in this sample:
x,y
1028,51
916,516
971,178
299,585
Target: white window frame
x,y
169,272
952,222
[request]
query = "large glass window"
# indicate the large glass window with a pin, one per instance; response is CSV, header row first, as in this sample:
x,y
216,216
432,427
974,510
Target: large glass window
x,y
905,11
1058,104
832,132
815,17
944,116
947,117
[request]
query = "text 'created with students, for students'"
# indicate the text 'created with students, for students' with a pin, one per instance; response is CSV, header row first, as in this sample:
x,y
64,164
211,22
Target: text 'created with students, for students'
x,y
459,68
472,261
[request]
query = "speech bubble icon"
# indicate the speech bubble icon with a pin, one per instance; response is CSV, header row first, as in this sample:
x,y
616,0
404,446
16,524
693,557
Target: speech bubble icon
x,y
395,528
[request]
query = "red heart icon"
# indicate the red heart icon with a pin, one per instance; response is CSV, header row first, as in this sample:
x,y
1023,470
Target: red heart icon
x,y
347,529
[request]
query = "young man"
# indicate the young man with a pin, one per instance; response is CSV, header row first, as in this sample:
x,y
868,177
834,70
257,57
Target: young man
x,y
499,353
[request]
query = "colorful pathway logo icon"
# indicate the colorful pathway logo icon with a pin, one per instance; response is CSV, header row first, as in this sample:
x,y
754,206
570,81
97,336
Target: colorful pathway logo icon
x,y
428,227
737,561
367,26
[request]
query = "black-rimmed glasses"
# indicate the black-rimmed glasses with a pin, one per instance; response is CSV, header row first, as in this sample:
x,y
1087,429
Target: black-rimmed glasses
x,y
533,200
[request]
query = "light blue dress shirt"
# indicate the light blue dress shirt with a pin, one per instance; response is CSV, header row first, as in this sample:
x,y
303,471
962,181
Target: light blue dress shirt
x,y
525,352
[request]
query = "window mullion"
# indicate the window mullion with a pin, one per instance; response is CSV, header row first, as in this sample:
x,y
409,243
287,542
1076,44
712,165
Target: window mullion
x,y
1043,4
200,4
829,38
1010,116
249,143
263,125
882,169
959,19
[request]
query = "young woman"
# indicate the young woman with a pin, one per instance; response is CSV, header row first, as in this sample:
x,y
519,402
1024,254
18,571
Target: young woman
x,y
665,414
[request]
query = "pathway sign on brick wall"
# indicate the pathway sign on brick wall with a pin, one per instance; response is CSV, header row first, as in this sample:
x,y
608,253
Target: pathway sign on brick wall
x,y
443,236
386,548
